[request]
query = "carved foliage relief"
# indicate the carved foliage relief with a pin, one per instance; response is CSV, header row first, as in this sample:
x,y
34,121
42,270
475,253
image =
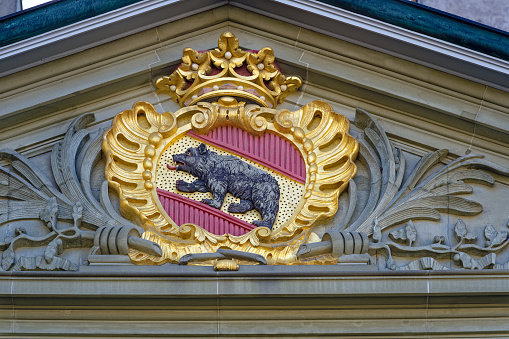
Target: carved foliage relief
x,y
53,216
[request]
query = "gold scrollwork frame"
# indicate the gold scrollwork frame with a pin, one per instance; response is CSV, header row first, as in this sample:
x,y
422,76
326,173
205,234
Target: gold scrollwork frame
x,y
137,138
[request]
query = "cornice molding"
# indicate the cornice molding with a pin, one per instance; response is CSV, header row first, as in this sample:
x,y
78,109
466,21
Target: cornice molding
x,y
298,281
317,16
431,22
235,305
95,31
387,38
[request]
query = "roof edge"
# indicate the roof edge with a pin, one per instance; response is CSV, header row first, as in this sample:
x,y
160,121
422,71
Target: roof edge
x,y
432,22
53,15
402,13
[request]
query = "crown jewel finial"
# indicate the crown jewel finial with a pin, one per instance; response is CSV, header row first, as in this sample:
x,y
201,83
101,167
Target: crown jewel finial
x,y
228,71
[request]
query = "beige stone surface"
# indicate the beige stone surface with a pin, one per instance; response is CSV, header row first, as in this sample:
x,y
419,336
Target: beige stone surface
x,y
255,305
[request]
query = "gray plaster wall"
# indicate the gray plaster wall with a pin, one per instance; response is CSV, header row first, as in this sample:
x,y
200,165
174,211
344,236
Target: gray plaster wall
x,y
489,12
9,6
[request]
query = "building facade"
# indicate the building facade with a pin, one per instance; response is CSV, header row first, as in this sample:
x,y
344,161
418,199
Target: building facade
x,y
396,116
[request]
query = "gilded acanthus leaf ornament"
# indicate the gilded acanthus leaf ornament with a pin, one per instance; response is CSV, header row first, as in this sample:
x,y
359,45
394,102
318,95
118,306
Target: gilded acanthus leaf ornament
x,y
138,138
228,55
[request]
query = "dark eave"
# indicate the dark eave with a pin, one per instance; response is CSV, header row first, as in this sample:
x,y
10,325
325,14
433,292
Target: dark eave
x,y
402,13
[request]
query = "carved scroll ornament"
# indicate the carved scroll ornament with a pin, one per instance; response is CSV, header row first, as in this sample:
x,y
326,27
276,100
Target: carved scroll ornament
x,y
138,137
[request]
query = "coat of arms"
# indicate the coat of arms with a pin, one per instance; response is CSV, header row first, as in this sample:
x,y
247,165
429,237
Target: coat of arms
x,y
229,179
229,171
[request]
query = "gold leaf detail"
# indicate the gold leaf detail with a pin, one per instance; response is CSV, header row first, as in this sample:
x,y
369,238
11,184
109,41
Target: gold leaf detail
x,y
139,136
195,80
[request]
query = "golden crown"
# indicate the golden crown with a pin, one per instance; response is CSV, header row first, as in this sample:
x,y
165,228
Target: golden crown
x,y
228,71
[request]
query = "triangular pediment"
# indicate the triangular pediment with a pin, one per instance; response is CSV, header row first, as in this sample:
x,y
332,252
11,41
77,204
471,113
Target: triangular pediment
x,y
388,157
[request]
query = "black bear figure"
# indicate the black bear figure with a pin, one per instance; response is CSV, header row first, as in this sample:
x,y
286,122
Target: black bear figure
x,y
221,174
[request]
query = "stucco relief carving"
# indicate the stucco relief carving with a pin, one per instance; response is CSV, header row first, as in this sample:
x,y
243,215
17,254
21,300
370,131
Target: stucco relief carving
x,y
382,217
396,200
49,219
379,230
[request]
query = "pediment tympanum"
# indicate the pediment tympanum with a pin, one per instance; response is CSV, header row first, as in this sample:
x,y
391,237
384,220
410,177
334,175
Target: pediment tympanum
x,y
229,179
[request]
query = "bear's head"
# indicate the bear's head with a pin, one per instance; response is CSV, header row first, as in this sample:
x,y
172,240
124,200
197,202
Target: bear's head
x,y
193,160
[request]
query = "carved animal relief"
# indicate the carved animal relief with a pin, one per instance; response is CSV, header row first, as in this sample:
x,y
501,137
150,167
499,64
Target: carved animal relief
x,y
220,174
